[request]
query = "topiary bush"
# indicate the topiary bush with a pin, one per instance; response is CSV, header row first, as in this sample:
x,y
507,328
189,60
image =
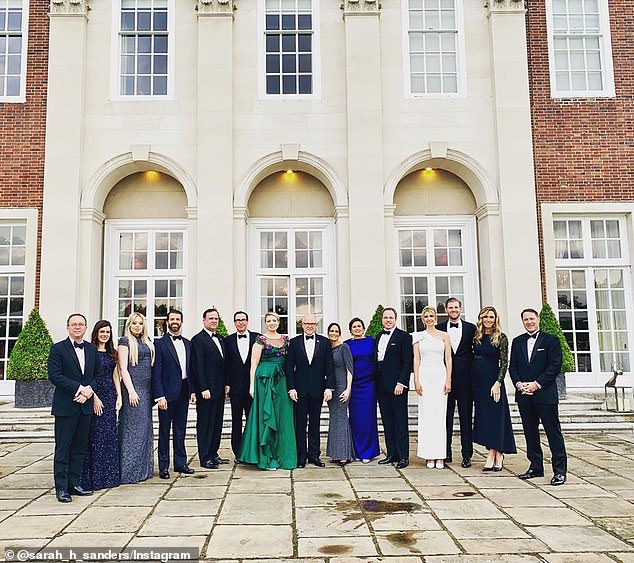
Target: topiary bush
x,y
549,324
30,353
375,325
222,329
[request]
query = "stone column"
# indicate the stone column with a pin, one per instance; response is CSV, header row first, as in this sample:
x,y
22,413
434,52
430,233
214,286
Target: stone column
x,y
62,163
240,216
515,157
89,267
215,156
344,291
365,156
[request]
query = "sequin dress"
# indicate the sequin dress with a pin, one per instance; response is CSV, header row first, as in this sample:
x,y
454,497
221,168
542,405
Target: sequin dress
x,y
269,435
136,436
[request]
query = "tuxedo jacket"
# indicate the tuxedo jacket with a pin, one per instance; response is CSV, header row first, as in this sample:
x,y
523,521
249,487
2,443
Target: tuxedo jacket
x,y
543,367
167,377
462,358
310,379
238,371
64,372
208,365
398,360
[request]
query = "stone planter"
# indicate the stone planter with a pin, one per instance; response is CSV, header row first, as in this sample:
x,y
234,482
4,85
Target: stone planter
x,y
561,385
33,394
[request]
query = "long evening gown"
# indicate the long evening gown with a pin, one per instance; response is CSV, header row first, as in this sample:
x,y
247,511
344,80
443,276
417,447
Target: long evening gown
x,y
101,466
432,406
492,423
362,405
136,435
269,435
340,446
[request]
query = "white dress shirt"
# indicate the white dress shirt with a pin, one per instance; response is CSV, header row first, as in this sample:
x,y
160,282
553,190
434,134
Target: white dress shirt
x,y
180,352
530,344
309,344
455,335
215,340
382,345
243,346
80,353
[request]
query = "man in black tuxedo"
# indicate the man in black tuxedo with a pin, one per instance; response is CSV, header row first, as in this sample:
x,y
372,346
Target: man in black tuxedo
x,y
534,365
461,335
74,371
394,357
171,390
310,378
209,375
238,347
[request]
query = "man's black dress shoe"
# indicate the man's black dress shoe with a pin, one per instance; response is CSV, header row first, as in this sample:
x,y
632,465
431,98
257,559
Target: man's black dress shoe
x,y
402,464
221,460
558,479
301,464
466,462
211,464
186,470
386,460
448,460
530,474
79,491
63,496
165,474
317,462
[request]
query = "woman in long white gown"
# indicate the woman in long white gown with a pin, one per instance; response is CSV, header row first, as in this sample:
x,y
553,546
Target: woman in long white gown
x,y
432,380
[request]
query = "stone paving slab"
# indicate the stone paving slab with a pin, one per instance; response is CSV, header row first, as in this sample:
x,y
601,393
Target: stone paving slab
x,y
322,493
465,509
176,526
495,546
576,558
256,509
485,529
23,543
603,507
329,547
330,522
520,497
577,539
196,493
534,516
91,539
483,559
416,542
110,519
25,527
403,521
248,541
48,504
385,484
147,542
187,507
256,485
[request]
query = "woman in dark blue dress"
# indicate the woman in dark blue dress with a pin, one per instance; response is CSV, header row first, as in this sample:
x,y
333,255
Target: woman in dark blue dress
x,y
492,423
362,403
101,465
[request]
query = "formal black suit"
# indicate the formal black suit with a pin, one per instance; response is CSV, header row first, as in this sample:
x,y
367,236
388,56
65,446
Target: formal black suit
x,y
168,382
310,380
238,372
208,374
396,367
461,389
72,420
542,367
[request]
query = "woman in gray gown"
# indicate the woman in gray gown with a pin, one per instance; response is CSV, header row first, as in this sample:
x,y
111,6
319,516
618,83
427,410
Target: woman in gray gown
x,y
339,446
136,437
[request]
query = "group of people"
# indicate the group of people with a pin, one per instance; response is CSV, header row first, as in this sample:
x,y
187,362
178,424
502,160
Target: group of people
x,y
104,395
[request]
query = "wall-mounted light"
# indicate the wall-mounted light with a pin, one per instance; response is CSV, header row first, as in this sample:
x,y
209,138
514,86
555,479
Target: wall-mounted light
x,y
289,171
152,175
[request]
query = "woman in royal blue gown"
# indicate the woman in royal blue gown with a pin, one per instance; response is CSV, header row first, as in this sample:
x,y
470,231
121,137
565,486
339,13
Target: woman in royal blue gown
x,y
101,465
362,403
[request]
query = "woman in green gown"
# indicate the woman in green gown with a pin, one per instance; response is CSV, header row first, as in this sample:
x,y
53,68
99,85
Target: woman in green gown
x,y
269,435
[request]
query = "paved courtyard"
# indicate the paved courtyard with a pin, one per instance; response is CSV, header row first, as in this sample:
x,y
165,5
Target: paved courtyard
x,y
363,512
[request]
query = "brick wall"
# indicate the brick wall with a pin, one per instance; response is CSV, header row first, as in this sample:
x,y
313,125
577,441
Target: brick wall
x,y
22,128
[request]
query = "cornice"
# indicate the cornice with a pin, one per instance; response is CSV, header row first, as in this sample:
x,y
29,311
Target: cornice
x,y
69,8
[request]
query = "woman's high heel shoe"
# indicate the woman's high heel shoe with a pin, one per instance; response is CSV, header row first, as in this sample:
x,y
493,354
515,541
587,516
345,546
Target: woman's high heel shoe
x,y
499,467
430,465
489,467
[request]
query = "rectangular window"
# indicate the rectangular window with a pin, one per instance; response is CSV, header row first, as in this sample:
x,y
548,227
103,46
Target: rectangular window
x,y
13,41
435,262
580,50
289,36
434,46
12,276
144,47
593,293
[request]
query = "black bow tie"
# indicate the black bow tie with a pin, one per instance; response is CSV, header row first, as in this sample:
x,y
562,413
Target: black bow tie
x,y
242,335
533,335
79,345
384,332
176,337
453,325
309,337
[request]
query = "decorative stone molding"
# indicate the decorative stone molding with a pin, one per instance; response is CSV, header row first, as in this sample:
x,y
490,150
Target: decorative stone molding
x,y
487,210
388,210
92,214
215,7
505,6
69,7
341,212
361,7
240,214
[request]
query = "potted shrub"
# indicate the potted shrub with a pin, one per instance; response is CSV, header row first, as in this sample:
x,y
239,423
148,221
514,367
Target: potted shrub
x,y
375,325
549,324
27,364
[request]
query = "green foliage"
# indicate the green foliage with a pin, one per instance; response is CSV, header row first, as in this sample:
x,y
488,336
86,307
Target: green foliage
x,y
375,325
222,329
549,324
30,353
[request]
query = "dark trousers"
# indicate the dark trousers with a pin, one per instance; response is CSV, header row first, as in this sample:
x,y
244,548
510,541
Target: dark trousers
x,y
531,413
208,426
462,394
394,416
307,413
175,417
240,403
71,443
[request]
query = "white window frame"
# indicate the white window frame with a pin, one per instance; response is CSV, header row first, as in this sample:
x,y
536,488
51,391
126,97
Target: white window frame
x,y
113,227
261,57
595,210
115,57
469,268
605,46
461,63
328,269
21,97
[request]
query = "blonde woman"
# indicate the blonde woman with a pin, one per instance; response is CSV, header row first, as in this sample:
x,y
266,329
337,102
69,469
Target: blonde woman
x,y
492,423
135,355
432,380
